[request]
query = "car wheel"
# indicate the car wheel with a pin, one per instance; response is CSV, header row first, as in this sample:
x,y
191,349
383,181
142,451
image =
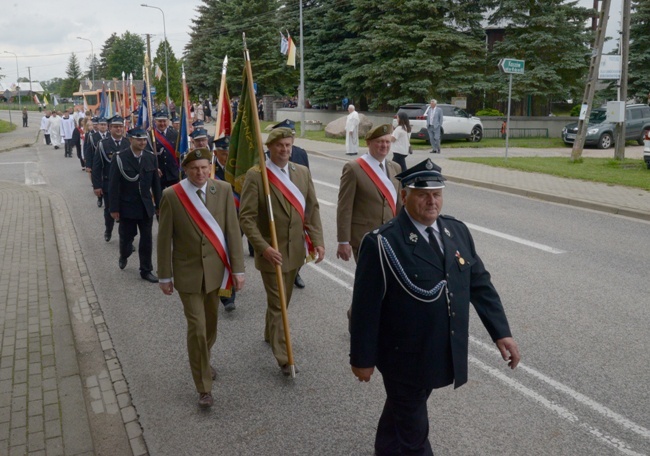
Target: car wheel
x,y
476,135
605,141
641,139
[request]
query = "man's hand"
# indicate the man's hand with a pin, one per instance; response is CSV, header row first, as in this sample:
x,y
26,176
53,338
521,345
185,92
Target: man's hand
x,y
98,192
167,287
509,351
363,373
159,172
238,281
320,250
272,256
344,251
116,216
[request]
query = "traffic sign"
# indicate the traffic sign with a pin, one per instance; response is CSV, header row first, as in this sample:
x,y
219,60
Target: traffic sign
x,y
512,66
153,90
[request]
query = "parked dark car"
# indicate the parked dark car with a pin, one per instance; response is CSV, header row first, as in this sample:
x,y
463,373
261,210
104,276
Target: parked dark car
x,y
456,123
601,133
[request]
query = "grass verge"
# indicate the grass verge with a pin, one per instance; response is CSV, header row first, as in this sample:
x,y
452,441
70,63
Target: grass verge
x,y
6,127
629,172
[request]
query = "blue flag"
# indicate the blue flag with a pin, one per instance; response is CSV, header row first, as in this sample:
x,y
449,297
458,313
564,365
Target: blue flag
x,y
103,108
143,112
182,146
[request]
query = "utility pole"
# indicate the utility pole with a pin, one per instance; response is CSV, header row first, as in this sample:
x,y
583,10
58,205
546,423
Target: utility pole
x,y
619,151
29,71
592,79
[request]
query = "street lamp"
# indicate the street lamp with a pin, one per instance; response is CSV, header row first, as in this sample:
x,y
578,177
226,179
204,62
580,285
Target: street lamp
x,y
166,45
20,106
92,57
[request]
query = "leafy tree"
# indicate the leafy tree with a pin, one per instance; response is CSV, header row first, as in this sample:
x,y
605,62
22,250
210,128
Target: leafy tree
x,y
53,85
101,70
639,77
553,39
174,67
217,31
125,54
73,71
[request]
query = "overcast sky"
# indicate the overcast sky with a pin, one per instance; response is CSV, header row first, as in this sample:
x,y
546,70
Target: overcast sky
x,y
43,33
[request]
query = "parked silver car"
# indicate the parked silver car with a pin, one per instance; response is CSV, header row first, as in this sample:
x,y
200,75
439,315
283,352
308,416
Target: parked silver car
x,y
456,123
601,133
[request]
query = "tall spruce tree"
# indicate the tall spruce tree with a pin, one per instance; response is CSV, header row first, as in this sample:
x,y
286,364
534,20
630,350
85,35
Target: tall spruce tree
x,y
410,50
73,73
174,76
100,71
639,76
553,38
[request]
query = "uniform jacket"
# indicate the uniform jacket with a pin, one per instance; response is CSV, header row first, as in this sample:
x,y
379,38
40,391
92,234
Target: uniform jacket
x,y
133,200
90,145
361,206
413,342
299,156
166,161
184,252
254,219
101,167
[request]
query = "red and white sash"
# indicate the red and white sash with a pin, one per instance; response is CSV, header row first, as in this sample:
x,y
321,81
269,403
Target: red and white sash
x,y
295,197
208,226
381,181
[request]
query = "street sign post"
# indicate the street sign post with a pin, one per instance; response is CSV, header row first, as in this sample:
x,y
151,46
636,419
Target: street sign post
x,y
510,66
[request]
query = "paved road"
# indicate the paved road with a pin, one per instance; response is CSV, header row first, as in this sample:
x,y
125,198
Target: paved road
x,y
571,280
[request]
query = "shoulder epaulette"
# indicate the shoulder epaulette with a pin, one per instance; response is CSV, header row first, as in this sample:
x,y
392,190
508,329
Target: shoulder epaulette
x,y
256,168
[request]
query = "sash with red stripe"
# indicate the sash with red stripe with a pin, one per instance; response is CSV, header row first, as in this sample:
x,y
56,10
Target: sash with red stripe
x,y
372,174
293,195
166,144
207,224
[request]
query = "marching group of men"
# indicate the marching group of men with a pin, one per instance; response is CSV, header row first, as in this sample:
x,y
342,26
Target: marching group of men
x,y
411,323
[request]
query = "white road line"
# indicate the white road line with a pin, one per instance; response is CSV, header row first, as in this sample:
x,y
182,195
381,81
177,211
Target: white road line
x,y
509,237
33,174
579,397
16,163
561,411
325,184
326,203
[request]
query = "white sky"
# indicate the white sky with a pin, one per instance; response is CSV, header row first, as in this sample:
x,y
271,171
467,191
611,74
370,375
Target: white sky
x,y
43,33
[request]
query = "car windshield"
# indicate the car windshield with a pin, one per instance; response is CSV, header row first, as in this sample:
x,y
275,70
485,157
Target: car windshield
x,y
597,116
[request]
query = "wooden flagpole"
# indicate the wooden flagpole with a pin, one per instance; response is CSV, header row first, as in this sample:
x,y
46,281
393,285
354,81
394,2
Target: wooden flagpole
x,y
267,194
219,129
150,107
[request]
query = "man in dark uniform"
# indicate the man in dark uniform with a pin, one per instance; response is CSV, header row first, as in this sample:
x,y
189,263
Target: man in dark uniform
x,y
134,189
299,156
166,138
90,146
199,138
413,322
200,124
102,158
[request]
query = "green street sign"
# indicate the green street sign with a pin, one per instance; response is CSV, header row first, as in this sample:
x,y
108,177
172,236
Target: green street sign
x,y
512,66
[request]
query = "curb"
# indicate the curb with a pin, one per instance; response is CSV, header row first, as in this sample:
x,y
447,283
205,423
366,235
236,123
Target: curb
x,y
112,417
23,145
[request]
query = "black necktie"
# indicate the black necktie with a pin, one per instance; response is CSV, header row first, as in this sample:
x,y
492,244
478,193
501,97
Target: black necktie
x,y
201,195
433,242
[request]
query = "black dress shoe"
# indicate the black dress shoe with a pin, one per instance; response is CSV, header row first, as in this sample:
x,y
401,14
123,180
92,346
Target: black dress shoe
x,y
149,277
122,263
298,282
286,369
99,202
107,236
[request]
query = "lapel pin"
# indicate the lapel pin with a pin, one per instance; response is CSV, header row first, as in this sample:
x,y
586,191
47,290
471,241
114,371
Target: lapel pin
x,y
460,259
447,232
213,189
293,168
413,237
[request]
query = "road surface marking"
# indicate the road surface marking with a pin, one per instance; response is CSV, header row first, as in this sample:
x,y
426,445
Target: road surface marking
x,y
325,184
33,174
519,240
326,203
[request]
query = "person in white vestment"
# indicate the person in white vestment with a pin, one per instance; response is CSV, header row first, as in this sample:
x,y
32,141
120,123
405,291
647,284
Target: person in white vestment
x,y
55,129
352,132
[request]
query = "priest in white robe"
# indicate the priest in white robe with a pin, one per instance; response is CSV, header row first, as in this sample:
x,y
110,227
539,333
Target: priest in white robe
x,y
55,130
352,132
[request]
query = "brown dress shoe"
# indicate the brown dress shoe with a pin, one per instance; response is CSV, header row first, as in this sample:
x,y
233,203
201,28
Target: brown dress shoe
x,y
205,400
214,372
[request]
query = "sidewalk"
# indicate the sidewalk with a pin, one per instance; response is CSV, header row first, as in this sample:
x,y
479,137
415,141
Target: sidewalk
x,y
613,199
62,391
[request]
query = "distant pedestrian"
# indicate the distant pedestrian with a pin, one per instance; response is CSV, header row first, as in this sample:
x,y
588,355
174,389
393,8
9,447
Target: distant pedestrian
x,y
207,111
401,145
67,128
352,132
504,129
25,118
77,138
434,124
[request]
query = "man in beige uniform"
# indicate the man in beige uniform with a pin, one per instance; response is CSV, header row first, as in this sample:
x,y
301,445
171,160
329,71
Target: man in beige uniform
x,y
254,221
362,206
199,259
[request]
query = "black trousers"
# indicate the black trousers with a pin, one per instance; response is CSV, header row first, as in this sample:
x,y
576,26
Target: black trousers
x,y
24,121
68,147
400,160
128,229
403,428
48,141
80,155
108,220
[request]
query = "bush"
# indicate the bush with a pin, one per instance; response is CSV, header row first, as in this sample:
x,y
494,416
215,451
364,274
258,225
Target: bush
x,y
575,111
489,112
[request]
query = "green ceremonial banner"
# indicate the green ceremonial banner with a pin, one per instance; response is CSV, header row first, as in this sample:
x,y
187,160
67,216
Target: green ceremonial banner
x,y
243,154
